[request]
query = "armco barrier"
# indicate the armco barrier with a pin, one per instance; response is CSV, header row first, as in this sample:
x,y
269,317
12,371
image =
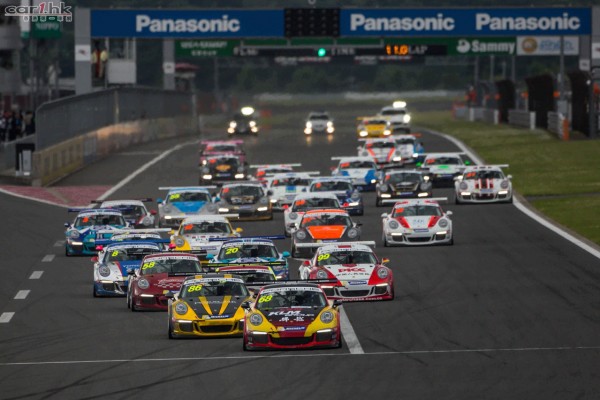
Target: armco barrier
x,y
558,124
57,161
522,118
484,114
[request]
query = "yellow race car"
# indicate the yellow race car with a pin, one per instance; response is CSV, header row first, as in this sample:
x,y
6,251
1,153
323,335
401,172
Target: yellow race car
x,y
208,305
373,127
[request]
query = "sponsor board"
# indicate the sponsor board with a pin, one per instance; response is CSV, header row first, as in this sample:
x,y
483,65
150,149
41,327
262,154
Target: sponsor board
x,y
546,45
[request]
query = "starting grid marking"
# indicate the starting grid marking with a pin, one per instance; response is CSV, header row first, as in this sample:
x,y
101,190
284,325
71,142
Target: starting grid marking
x,y
36,274
22,294
48,258
296,355
6,317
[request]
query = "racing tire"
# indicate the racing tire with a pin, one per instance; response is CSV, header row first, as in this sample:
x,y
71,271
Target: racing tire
x,y
384,240
95,294
510,201
128,299
294,252
378,202
170,331
244,345
451,242
67,254
457,200
133,307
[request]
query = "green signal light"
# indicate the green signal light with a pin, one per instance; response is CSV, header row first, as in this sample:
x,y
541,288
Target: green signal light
x,y
321,52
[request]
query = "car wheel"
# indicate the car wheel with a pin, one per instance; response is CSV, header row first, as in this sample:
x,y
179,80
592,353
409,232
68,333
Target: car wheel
x,y
457,200
67,254
378,202
170,327
95,292
393,293
384,240
244,345
510,201
133,307
451,242
294,252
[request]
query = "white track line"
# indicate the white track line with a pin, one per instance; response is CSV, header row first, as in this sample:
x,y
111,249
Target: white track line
x,y
59,243
310,355
36,274
33,199
6,317
48,258
349,335
22,294
524,209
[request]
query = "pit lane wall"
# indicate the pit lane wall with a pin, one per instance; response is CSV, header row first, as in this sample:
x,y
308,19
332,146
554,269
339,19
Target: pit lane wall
x,y
78,131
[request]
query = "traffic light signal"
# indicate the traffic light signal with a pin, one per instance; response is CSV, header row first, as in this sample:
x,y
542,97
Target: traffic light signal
x,y
322,52
315,22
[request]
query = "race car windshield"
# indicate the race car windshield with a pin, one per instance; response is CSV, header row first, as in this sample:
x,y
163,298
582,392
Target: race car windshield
x,y
290,298
420,210
405,141
214,288
173,265
403,177
290,182
205,227
221,148
307,204
315,117
246,250
188,196
346,257
256,276
393,112
444,161
381,145
133,211
327,220
357,164
376,122
484,175
95,220
236,191
131,254
331,187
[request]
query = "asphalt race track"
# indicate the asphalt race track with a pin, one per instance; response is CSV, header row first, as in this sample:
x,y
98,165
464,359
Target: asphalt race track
x,y
511,311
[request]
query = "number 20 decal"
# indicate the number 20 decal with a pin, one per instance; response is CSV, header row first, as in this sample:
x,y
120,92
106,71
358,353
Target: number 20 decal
x,y
232,250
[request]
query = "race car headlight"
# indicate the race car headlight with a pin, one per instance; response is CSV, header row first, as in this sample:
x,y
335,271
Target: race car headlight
x,y
443,223
353,204
223,210
143,284
387,132
293,215
363,133
397,159
256,319
329,124
354,196
252,124
504,185
352,233
232,124
262,209
309,125
181,308
74,234
384,187
373,180
321,274
207,176
382,273
300,235
239,176
104,271
327,317
179,241
463,186
406,118
393,224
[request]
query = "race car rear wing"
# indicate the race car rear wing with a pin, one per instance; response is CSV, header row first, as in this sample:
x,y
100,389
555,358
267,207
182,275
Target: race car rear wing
x,y
370,243
392,201
224,239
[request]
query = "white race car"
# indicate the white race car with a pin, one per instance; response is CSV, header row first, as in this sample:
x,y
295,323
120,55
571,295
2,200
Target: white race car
x,y
362,171
442,168
318,122
417,222
266,171
410,149
483,184
303,202
195,233
381,150
134,211
284,187
182,202
398,117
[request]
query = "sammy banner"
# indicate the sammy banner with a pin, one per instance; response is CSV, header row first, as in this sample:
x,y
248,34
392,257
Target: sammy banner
x,y
547,45
475,22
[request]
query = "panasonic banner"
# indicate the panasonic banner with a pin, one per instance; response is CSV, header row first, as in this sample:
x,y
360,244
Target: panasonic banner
x,y
187,23
465,22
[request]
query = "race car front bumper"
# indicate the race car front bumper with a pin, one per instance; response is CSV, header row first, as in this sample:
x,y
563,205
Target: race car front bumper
x,y
383,291
207,328
472,197
150,301
418,239
77,247
324,338
107,288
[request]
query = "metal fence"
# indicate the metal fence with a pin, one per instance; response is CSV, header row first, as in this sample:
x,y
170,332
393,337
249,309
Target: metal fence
x,y
67,118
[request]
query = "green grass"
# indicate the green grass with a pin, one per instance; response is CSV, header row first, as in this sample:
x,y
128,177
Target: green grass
x,y
541,165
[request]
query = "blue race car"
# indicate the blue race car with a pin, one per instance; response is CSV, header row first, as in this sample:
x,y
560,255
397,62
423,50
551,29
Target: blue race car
x,y
81,235
362,171
253,250
350,197
181,202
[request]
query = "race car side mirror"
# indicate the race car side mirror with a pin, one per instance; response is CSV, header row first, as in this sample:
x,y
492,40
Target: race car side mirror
x,y
508,176
448,213
359,189
337,303
217,199
293,226
385,260
239,230
171,232
245,305
306,263
332,168
286,254
94,259
152,212
159,200
210,256
358,224
130,271
67,224
169,295
384,215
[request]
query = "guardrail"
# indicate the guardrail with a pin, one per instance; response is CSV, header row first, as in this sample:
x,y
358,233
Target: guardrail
x,y
522,118
558,124
484,114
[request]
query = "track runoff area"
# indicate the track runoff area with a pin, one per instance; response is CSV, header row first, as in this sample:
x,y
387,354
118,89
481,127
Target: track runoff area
x,y
511,306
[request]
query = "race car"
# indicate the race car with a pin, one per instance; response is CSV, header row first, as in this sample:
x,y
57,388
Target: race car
x,y
291,316
182,202
266,171
244,121
81,234
410,148
358,272
398,118
246,199
483,184
208,305
323,226
253,250
318,122
158,275
417,222
222,168
113,262
383,151
285,187
304,202
195,232
442,168
350,198
220,147
373,127
401,184
362,171
134,211
255,276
